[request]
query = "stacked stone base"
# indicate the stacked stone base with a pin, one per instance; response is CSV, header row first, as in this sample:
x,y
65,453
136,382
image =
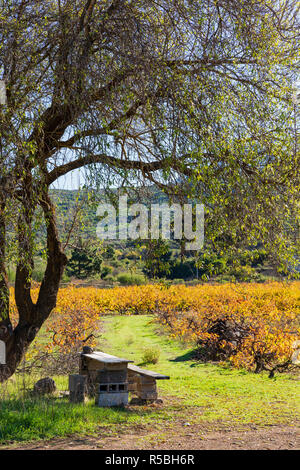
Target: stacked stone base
x,y
144,388
77,388
116,397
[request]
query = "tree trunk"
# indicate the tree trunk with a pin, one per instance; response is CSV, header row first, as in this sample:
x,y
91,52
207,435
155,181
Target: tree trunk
x,y
31,316
16,346
5,324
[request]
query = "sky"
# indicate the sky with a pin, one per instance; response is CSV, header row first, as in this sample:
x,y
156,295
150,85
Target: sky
x,y
71,181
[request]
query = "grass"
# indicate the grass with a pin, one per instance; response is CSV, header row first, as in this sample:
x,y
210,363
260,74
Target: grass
x,y
50,418
205,393
209,392
25,417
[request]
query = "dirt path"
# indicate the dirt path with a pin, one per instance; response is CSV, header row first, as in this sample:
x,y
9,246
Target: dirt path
x,y
179,437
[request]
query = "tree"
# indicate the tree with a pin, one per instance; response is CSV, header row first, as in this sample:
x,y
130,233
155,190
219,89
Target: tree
x,y
157,258
142,90
84,262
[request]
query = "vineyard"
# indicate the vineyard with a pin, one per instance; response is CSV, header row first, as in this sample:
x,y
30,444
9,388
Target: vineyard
x,y
253,326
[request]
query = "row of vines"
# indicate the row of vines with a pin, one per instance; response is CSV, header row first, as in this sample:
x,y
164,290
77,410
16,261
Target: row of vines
x,y
254,326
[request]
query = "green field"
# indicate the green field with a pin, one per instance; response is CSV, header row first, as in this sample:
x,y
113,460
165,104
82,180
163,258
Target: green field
x,y
201,393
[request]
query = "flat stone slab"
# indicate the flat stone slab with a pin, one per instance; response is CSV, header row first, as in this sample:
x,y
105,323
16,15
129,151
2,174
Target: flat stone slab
x,y
106,358
147,373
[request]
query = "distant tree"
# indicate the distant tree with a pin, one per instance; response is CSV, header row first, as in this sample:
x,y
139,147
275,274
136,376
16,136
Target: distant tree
x,y
84,262
105,271
157,256
109,253
143,90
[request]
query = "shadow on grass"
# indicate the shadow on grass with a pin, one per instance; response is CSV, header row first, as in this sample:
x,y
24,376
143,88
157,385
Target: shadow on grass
x,y
189,356
146,364
222,366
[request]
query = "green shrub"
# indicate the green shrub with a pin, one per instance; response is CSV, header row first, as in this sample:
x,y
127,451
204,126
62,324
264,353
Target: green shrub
x,y
131,279
178,281
207,265
244,273
105,271
151,355
65,277
116,263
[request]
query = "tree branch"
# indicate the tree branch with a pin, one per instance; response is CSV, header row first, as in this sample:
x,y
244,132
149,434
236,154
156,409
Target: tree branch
x,y
106,160
102,130
56,261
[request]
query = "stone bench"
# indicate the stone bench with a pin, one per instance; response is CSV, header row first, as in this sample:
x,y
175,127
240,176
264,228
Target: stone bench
x,y
110,378
142,382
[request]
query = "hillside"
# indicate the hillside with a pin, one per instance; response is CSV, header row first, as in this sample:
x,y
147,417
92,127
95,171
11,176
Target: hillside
x,y
78,208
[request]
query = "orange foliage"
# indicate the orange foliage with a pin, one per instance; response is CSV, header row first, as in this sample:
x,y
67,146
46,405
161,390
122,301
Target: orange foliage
x,y
269,313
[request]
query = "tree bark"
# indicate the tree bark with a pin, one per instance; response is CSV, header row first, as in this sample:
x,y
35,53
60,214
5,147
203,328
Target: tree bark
x,y
31,316
5,324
